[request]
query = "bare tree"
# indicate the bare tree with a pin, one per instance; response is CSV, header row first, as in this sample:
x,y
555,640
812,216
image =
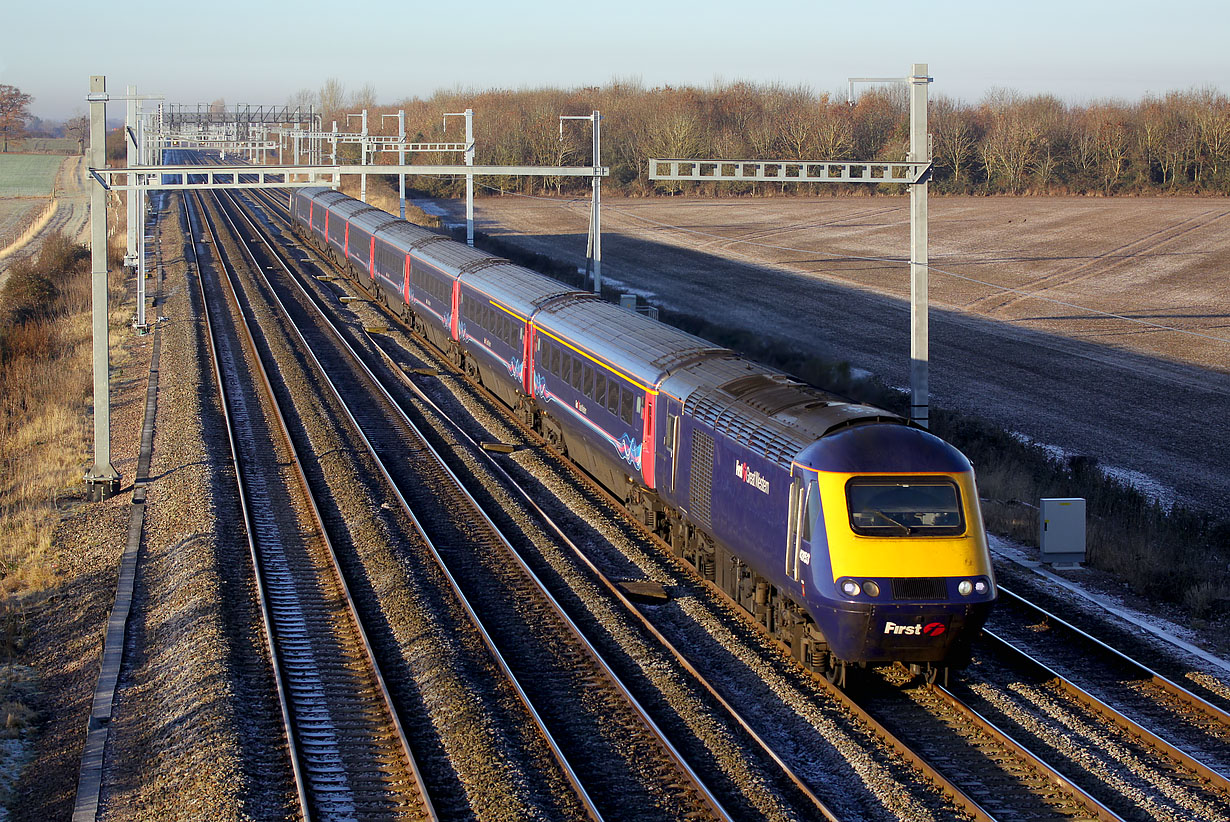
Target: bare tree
x,y
676,133
14,112
955,136
1045,118
302,99
78,129
1085,146
1013,140
1178,152
1153,118
1212,123
363,97
547,145
796,124
881,123
332,98
834,133
1112,144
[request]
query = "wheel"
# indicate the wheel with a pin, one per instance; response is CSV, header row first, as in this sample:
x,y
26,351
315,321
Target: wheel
x,y
835,673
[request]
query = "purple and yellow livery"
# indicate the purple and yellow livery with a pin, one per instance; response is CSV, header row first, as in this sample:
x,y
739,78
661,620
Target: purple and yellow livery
x,y
852,536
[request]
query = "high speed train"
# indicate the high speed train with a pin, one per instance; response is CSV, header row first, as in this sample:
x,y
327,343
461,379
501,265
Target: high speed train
x,y
849,534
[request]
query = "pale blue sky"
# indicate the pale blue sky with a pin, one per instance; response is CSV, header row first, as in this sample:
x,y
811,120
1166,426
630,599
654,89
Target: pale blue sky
x,y
247,51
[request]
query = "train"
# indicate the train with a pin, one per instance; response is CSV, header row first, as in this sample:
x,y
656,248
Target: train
x,y
852,535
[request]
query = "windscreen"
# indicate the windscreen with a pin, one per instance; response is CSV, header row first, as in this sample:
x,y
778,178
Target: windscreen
x,y
904,507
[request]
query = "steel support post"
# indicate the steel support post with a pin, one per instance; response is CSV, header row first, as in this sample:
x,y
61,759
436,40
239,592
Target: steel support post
x,y
401,157
593,244
136,212
920,151
469,160
140,324
131,150
362,153
103,479
596,219
401,160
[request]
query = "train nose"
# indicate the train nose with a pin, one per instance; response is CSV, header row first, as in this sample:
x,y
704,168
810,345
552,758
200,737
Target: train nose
x,y
910,634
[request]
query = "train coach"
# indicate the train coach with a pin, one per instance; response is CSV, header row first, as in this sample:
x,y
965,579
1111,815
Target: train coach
x,y
851,535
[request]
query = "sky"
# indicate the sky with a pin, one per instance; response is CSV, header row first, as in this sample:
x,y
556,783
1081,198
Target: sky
x,y
260,53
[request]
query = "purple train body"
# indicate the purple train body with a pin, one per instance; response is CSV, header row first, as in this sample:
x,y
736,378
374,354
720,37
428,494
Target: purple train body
x,y
850,535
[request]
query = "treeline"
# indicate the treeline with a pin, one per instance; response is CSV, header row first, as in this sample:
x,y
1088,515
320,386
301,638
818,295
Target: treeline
x,y
1005,144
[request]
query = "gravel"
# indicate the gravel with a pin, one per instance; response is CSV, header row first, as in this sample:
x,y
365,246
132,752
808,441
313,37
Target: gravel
x,y
197,729
471,736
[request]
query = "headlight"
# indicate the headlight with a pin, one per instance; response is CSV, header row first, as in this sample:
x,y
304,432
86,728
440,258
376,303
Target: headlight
x,y
871,589
981,586
850,588
965,588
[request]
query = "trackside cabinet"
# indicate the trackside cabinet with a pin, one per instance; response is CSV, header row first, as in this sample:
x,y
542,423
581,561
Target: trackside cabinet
x,y
1061,530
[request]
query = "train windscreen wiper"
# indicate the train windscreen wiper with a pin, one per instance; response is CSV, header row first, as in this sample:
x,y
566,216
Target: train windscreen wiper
x,y
905,528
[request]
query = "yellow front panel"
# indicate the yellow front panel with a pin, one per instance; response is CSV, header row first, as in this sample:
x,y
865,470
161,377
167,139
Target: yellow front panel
x,y
854,555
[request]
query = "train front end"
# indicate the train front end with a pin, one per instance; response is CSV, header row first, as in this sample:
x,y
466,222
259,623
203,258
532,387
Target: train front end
x,y
898,568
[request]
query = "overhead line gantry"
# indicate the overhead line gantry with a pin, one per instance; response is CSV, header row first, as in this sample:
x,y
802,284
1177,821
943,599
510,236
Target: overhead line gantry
x,y
102,478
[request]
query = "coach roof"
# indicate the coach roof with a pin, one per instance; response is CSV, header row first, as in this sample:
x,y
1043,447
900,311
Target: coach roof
x,y
643,348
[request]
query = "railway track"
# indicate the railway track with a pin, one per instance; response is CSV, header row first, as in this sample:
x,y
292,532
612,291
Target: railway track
x,y
1102,708
1067,646
1033,790
1025,788
349,755
1127,743
616,760
721,705
988,772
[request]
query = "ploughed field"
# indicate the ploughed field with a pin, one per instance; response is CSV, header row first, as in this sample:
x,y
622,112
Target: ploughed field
x,y
1049,315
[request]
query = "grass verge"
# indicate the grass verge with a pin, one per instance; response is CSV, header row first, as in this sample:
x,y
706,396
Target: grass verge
x,y
45,368
45,427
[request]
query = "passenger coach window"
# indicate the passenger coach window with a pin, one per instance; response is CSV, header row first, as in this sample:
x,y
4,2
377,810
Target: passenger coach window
x,y
600,389
904,507
629,407
613,393
575,379
587,385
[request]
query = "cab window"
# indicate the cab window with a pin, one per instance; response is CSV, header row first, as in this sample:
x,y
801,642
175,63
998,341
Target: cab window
x,y
904,507
813,510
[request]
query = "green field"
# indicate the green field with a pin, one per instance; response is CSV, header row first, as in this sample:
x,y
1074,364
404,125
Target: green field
x,y
45,145
28,175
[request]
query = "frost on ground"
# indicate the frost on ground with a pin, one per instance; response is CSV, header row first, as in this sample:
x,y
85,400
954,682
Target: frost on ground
x,y
14,754
1177,636
1154,489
